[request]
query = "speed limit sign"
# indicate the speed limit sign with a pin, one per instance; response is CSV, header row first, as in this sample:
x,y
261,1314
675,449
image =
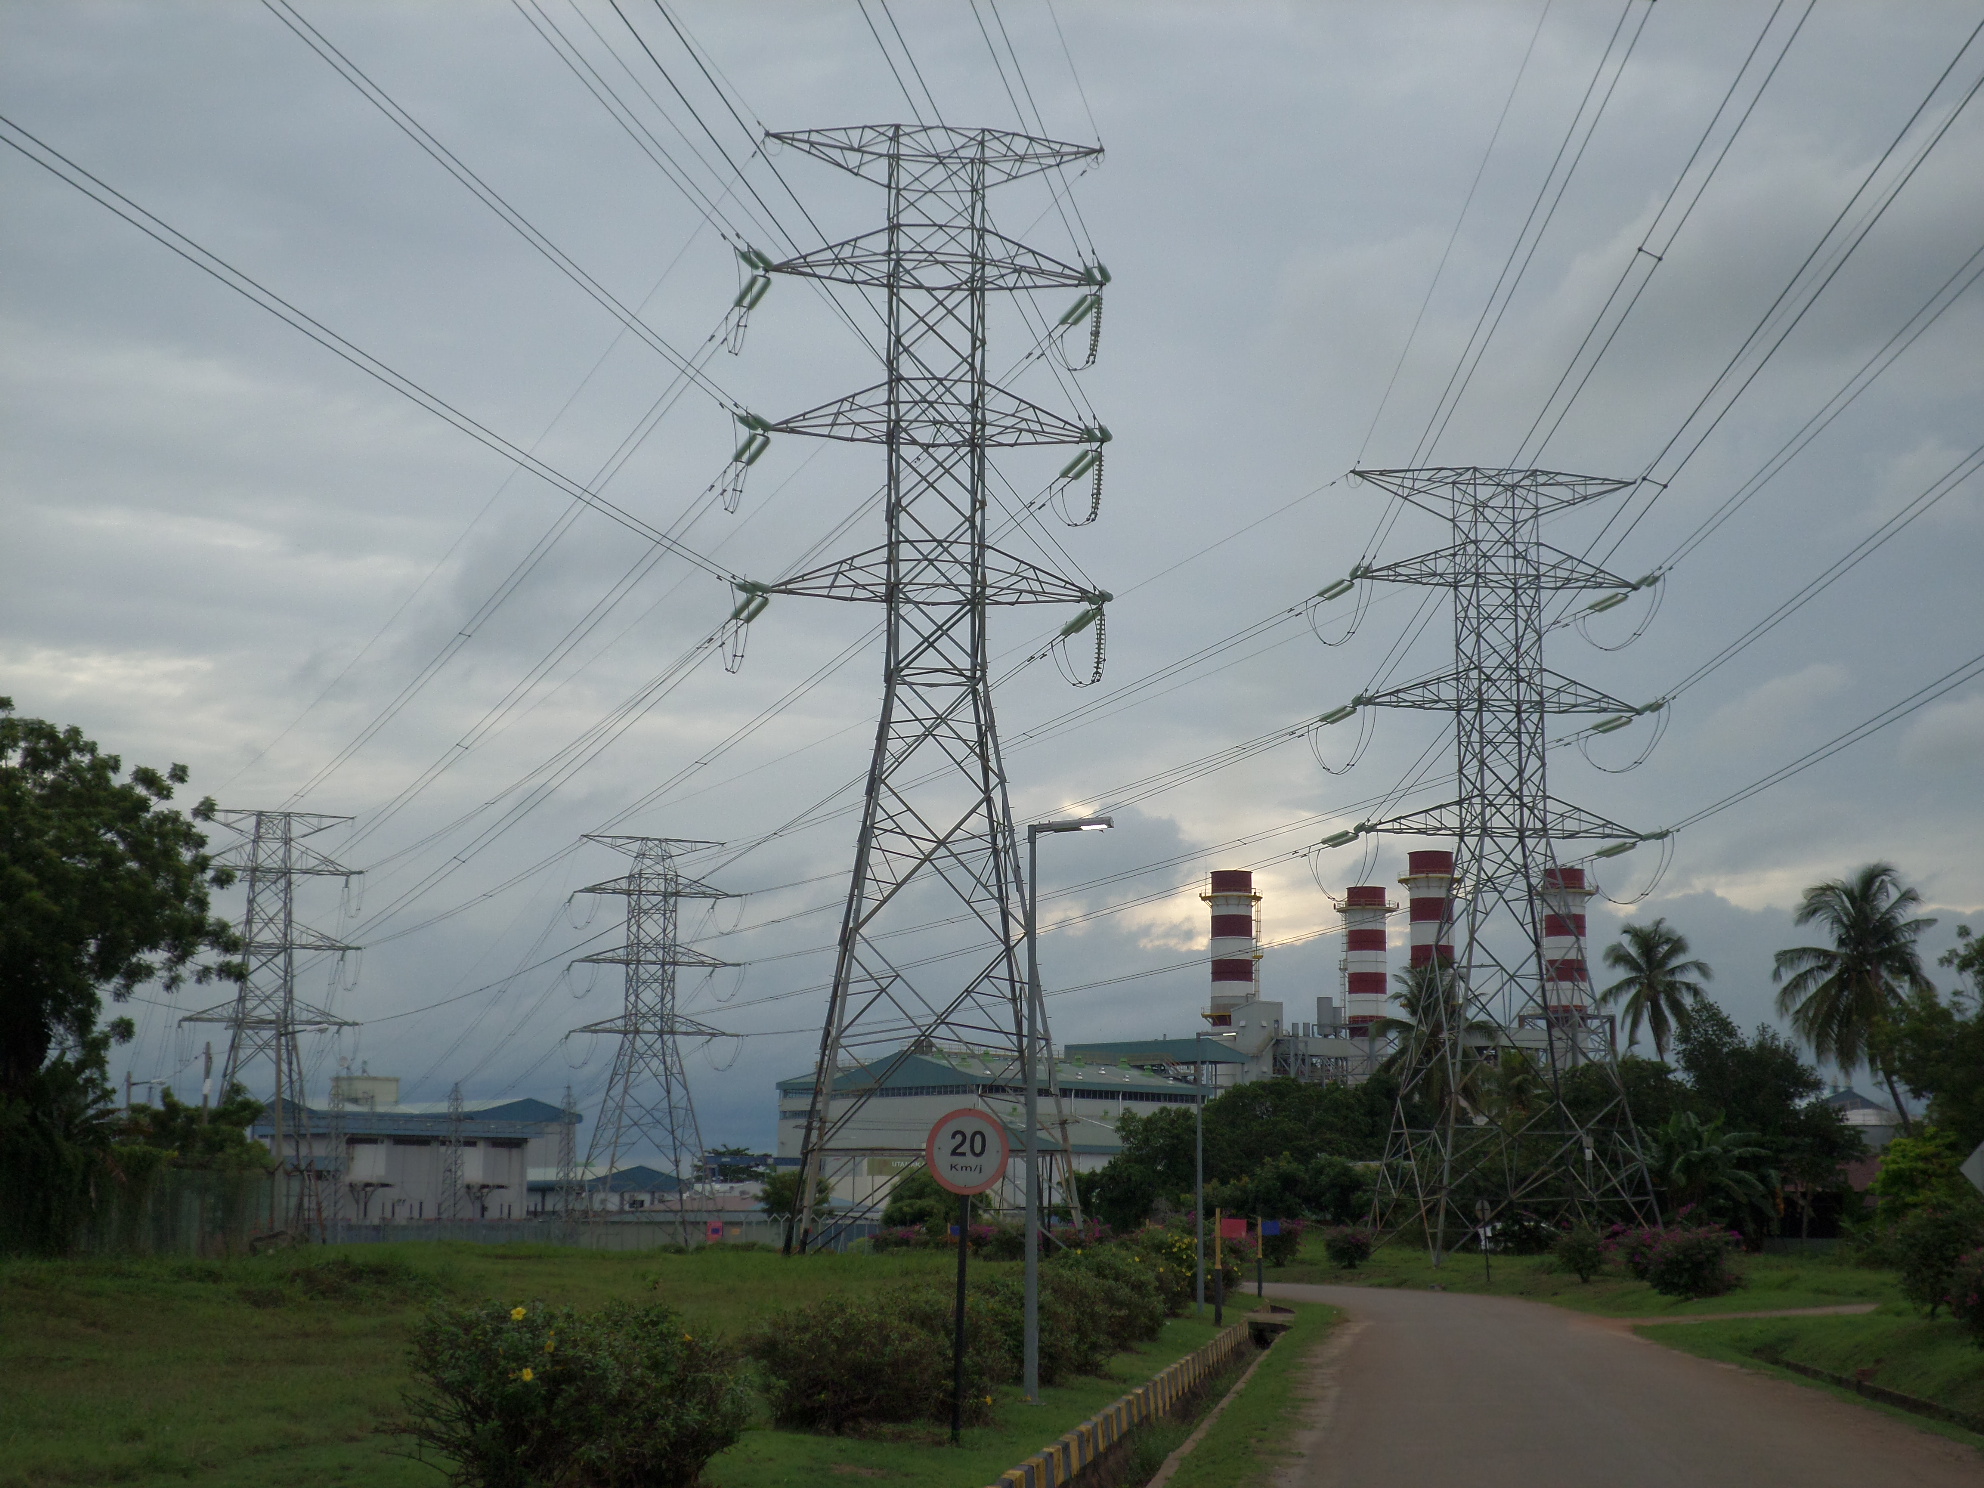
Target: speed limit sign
x,y
967,1151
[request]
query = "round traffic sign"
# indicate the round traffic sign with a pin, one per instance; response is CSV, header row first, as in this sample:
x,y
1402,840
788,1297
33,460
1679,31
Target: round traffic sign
x,y
967,1151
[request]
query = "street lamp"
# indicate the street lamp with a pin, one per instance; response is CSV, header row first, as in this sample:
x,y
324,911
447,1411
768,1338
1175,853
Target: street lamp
x,y
1029,1043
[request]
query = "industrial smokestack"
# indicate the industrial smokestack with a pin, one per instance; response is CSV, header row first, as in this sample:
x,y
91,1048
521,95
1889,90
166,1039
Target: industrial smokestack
x,y
1236,957
1429,879
1364,913
1566,979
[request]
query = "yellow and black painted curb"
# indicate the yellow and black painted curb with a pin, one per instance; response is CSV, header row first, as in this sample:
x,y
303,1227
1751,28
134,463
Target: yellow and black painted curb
x,y
1056,1465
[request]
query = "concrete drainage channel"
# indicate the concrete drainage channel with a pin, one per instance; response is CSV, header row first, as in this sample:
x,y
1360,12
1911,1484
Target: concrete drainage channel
x,y
1086,1455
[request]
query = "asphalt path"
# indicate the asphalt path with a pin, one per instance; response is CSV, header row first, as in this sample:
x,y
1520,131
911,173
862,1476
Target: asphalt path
x,y
1422,1389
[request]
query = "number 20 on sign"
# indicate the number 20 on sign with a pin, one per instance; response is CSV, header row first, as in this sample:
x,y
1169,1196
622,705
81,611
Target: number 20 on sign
x,y
967,1151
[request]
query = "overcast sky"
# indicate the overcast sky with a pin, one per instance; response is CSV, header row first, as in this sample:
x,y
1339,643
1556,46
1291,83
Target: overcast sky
x,y
227,546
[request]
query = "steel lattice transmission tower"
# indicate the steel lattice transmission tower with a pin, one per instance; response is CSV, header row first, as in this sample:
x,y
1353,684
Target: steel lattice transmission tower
x,y
1503,1008
266,1016
936,834
647,1103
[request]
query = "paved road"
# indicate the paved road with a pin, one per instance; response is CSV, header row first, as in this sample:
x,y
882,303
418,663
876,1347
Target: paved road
x,y
1444,1390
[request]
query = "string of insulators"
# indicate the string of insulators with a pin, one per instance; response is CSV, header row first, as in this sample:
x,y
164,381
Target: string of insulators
x,y
1619,720
1342,586
1345,838
757,439
751,601
1088,462
1619,848
1613,601
754,289
1094,615
1088,305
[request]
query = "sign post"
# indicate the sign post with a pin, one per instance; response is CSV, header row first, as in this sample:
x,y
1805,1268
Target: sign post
x,y
967,1152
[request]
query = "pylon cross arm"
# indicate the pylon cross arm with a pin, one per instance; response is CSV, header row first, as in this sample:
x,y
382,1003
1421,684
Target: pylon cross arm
x,y
946,261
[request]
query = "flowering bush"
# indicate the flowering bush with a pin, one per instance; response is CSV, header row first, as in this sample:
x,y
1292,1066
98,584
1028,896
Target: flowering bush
x,y
1927,1246
1349,1248
850,1361
519,1396
1280,1249
1966,1295
1635,1247
1692,1263
1580,1251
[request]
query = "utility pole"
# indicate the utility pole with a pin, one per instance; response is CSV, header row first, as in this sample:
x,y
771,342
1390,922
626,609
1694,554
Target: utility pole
x,y
452,1177
266,1016
647,1094
936,835
1504,981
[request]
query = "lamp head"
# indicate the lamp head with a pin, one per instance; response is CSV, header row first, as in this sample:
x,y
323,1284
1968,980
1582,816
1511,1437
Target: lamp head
x,y
1073,824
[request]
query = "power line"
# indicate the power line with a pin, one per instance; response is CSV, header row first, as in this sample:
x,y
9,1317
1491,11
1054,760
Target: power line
x,y
154,227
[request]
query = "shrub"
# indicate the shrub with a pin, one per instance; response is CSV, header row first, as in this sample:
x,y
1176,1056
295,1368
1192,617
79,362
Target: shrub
x,y
1580,1251
845,1361
1691,1264
1348,1248
1966,1295
1001,1242
1169,1258
1523,1234
515,1397
1282,1248
1131,1299
1928,1244
1074,1333
1636,1247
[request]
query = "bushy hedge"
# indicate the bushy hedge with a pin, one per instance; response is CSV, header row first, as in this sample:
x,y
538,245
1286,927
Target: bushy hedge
x,y
1581,1251
1692,1263
517,1397
1280,1249
1927,1246
848,1361
1966,1295
1349,1247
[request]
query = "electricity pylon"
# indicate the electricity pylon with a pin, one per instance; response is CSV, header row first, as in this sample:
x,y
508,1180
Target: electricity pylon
x,y
266,1016
647,1093
1482,1127
936,835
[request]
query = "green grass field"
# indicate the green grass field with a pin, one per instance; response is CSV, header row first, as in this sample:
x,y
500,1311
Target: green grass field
x,y
1247,1444
226,1375
1769,1282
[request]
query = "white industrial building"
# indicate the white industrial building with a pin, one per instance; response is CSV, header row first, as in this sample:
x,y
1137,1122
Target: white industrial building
x,y
392,1157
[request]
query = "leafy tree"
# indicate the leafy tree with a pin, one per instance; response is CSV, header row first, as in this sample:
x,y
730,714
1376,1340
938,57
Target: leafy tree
x,y
1655,988
1761,1085
1921,1171
1726,1175
781,1195
103,888
1935,1046
918,1199
1842,998
737,1164
216,1138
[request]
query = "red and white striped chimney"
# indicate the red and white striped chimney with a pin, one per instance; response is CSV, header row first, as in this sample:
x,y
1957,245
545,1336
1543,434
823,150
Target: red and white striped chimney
x,y
1429,879
1236,960
1364,913
1566,979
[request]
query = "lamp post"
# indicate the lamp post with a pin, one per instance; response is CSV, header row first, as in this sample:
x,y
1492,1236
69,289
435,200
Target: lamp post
x,y
1030,1041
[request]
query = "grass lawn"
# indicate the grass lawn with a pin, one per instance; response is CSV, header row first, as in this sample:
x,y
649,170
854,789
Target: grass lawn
x,y
1769,1282
1931,1359
228,1376
1245,1446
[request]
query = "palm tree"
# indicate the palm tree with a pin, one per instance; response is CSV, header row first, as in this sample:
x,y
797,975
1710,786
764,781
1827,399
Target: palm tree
x,y
1434,1037
1655,987
1839,997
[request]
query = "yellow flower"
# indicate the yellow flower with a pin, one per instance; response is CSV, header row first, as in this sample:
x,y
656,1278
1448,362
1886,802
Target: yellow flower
x,y
688,1338
528,1375
550,1344
516,1314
